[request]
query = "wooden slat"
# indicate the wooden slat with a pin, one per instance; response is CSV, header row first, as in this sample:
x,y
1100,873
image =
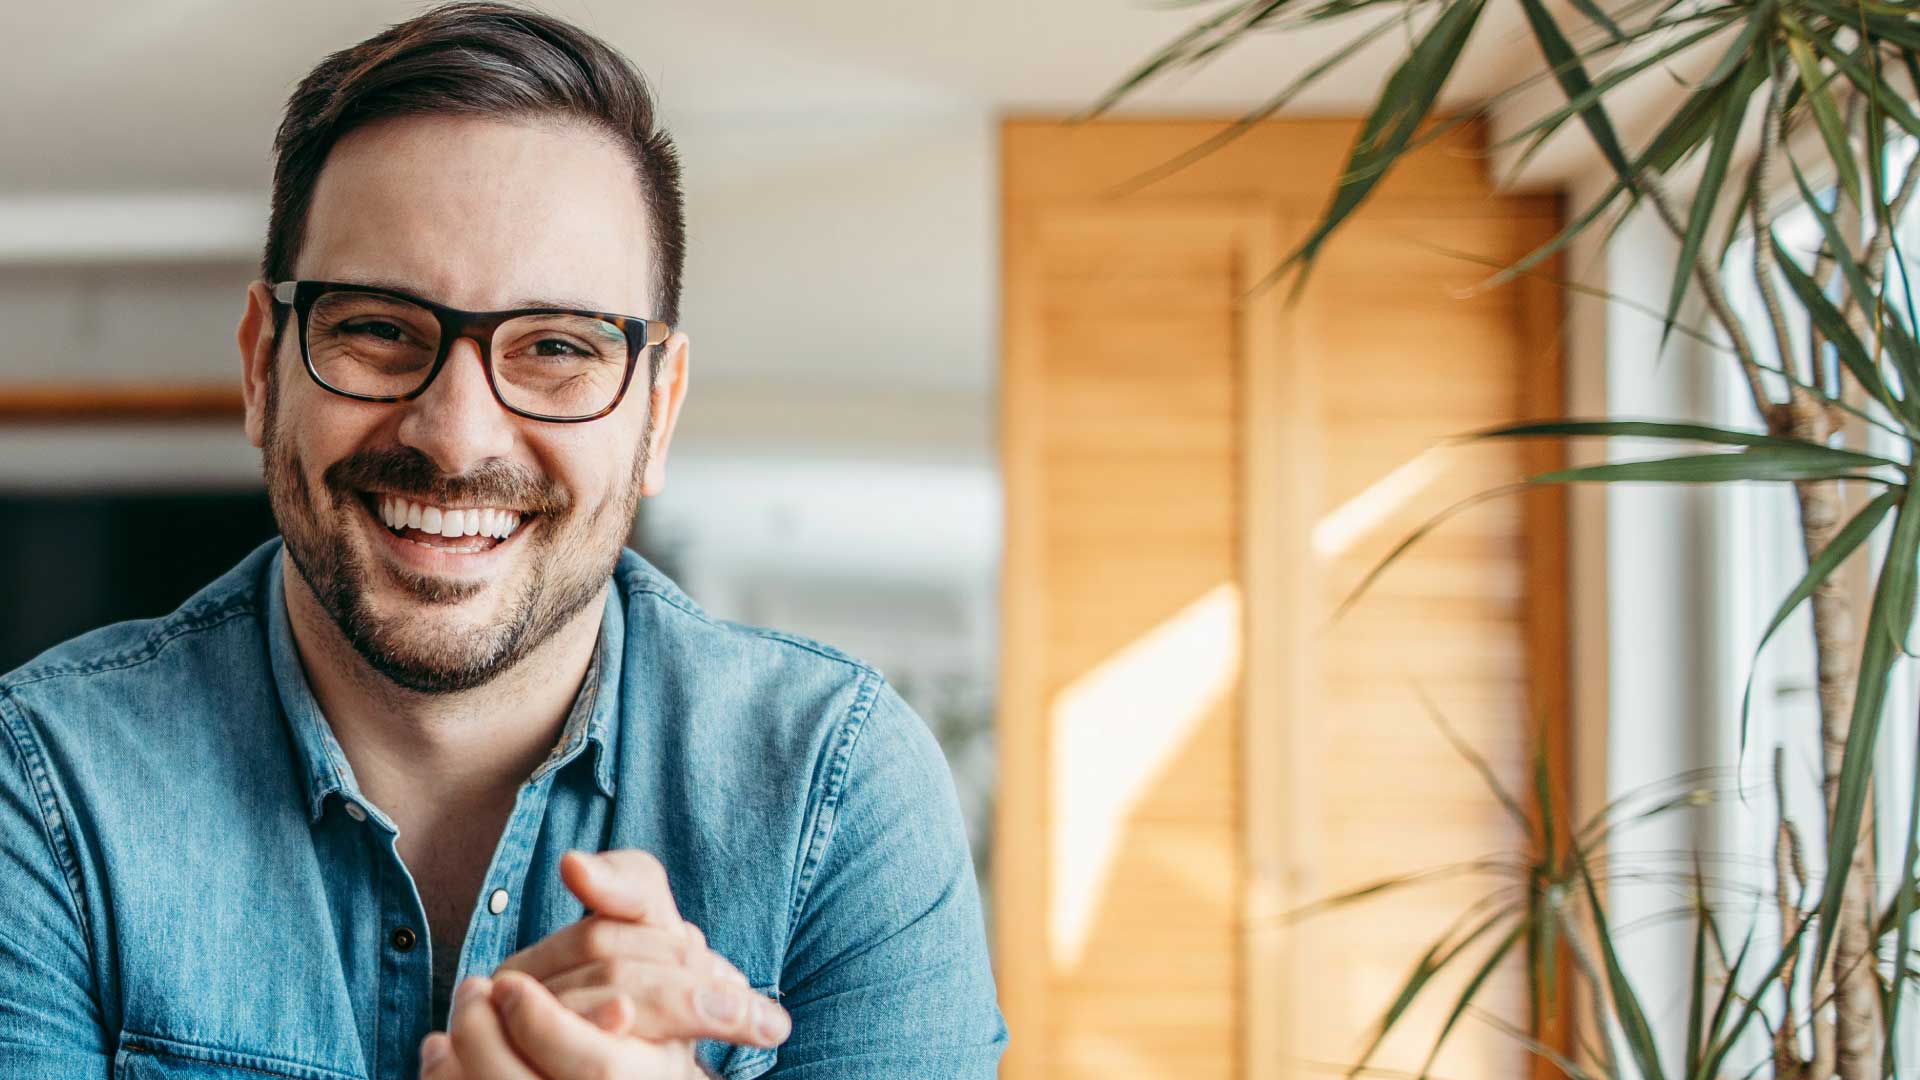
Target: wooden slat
x,y
75,403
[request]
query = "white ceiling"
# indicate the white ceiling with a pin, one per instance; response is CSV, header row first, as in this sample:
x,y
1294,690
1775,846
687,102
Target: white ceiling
x,y
184,94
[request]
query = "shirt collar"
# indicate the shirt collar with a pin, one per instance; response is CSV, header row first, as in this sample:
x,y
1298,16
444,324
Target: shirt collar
x,y
593,720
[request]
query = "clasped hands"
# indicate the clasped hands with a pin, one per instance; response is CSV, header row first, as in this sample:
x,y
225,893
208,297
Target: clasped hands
x,y
624,992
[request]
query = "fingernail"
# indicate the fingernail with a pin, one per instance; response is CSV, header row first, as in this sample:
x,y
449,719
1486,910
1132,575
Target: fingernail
x,y
772,1021
719,1005
432,1051
473,987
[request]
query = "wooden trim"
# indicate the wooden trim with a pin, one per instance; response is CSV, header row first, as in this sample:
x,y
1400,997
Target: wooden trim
x,y
1548,576
1280,455
1022,958
73,403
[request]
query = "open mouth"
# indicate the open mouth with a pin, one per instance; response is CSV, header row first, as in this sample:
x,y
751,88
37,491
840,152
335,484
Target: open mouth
x,y
455,530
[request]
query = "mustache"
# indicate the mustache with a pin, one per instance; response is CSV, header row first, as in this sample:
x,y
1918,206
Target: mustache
x,y
405,471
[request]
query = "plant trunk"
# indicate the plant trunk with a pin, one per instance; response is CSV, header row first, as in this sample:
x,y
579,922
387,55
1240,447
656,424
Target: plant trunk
x,y
1856,989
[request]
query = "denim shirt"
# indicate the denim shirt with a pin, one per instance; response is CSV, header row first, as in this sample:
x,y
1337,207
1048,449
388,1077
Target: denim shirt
x,y
195,887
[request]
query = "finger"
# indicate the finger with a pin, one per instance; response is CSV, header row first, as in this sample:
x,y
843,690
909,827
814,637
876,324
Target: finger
x,y
437,1059
604,1006
478,1039
627,883
672,1004
601,937
553,1038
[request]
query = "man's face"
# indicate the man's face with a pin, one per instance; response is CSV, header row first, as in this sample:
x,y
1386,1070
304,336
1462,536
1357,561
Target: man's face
x,y
476,214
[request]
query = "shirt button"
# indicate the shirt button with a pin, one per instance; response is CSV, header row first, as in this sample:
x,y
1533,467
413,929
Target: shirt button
x,y
354,812
497,903
403,939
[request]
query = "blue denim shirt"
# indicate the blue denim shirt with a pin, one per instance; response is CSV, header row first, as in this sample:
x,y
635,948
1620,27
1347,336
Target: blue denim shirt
x,y
194,886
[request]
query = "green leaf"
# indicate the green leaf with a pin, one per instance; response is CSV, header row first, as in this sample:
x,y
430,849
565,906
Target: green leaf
x,y
1572,76
1478,763
1431,963
1720,1009
1899,344
1870,82
1560,239
1834,327
1467,994
1184,50
1891,615
1253,117
1726,132
1750,1002
1796,462
1413,538
1648,429
1686,128
1821,567
1537,132
1600,18
1696,1003
1630,303
1903,905
1406,99
1755,463
1626,1003
1825,113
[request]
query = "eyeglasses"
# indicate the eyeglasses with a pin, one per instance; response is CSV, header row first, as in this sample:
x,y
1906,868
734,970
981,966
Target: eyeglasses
x,y
557,364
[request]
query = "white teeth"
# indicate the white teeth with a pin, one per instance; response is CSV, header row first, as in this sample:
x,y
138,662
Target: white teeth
x,y
398,513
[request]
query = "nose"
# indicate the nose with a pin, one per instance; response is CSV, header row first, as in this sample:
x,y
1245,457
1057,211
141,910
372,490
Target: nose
x,y
457,421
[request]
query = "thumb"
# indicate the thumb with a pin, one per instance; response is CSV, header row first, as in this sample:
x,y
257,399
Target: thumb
x,y
626,884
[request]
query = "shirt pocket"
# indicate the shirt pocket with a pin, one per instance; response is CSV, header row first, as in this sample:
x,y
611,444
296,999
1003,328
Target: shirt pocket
x,y
153,1057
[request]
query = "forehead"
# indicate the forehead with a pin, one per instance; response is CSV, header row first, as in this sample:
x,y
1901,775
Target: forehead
x,y
482,213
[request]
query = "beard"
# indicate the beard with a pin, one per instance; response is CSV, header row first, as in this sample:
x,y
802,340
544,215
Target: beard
x,y
568,561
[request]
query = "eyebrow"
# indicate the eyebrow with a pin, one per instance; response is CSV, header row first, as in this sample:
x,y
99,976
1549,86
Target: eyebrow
x,y
414,290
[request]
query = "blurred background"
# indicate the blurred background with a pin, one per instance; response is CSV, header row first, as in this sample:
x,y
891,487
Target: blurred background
x,y
994,403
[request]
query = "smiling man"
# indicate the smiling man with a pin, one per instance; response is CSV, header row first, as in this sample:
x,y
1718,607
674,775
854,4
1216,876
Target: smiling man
x,y
446,731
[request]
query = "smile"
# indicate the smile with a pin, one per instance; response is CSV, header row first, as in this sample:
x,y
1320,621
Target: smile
x,y
443,530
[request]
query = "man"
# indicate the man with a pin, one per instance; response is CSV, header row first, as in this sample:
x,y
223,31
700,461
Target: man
x,y
445,730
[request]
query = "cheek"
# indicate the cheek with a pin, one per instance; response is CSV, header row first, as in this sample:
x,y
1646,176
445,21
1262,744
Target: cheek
x,y
595,471
323,433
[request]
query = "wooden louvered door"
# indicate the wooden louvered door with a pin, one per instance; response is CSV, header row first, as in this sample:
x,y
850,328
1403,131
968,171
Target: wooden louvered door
x,y
1195,475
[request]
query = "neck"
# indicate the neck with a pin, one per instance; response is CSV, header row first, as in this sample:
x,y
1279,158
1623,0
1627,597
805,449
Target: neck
x,y
435,756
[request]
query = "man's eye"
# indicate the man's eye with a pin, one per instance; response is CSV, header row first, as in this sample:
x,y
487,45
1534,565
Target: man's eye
x,y
383,331
566,348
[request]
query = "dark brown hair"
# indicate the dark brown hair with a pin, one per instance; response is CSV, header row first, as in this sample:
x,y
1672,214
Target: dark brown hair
x,y
486,59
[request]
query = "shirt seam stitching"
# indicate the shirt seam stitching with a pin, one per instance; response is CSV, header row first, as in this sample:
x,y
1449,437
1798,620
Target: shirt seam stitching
x,y
148,650
834,787
59,843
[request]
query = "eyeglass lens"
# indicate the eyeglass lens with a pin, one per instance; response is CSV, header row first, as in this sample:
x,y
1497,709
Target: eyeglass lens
x,y
383,346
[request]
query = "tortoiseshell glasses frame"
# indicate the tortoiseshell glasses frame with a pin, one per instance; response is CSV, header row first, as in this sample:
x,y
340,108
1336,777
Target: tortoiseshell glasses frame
x,y
477,326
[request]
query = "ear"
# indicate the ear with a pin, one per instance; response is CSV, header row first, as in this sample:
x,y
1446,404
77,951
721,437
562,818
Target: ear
x,y
255,339
667,394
